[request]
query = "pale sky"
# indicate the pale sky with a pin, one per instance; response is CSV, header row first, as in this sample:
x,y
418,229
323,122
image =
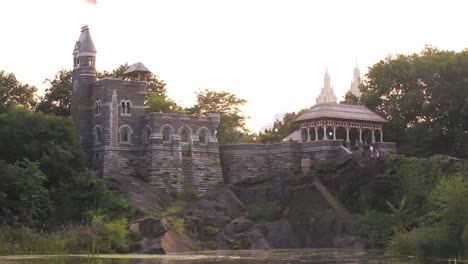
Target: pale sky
x,y
271,53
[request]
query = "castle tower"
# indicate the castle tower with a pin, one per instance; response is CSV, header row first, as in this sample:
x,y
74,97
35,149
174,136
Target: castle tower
x,y
354,88
84,74
326,95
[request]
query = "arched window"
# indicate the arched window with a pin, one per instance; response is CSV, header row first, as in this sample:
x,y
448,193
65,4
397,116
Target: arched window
x,y
97,135
203,136
123,107
98,107
146,134
185,135
167,134
125,134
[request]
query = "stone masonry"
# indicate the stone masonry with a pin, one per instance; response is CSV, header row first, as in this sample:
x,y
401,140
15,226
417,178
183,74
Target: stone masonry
x,y
171,152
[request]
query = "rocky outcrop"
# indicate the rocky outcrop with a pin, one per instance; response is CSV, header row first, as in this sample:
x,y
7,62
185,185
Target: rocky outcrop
x,y
298,212
141,197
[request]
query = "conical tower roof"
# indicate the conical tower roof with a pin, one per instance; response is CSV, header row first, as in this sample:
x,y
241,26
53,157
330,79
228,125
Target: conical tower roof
x,y
85,43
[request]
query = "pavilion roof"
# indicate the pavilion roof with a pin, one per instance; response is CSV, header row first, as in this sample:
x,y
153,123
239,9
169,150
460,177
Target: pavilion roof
x,y
341,111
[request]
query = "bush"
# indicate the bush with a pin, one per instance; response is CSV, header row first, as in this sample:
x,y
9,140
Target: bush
x,y
432,241
26,241
174,224
187,196
264,211
115,234
375,228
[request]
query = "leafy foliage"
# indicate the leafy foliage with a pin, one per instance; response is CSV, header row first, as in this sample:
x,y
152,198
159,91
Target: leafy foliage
x,y
47,139
227,105
161,103
57,98
264,211
425,212
12,92
351,99
424,96
26,196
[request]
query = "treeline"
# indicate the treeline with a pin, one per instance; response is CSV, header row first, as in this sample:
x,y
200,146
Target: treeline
x,y
425,98
417,207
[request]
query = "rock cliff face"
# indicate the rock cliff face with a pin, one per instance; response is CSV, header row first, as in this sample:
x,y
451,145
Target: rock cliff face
x,y
257,213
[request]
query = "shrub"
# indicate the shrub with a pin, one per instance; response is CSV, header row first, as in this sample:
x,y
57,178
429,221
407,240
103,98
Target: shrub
x,y
375,228
432,241
188,196
115,233
264,211
174,224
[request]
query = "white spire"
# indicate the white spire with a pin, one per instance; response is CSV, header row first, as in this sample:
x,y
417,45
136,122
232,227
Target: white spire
x,y
326,95
354,88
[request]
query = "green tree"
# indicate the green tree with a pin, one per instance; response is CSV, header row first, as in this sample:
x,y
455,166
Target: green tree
x,y
160,103
12,92
227,105
281,128
154,83
26,195
94,198
424,96
49,140
351,99
57,98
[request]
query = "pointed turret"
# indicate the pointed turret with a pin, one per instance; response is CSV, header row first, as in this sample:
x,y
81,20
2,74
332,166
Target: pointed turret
x,y
84,53
327,95
354,88
84,74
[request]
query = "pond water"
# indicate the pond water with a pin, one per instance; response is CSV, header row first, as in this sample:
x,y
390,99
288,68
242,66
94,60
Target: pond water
x,y
290,256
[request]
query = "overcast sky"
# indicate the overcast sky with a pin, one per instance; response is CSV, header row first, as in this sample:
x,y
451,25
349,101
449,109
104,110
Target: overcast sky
x,y
272,53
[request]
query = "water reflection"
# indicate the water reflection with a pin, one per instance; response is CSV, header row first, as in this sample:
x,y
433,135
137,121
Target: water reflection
x,y
290,256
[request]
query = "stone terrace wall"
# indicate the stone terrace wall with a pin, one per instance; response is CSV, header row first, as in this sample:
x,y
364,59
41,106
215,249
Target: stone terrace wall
x,y
240,161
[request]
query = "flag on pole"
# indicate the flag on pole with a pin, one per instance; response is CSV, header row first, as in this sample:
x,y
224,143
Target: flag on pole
x,y
91,2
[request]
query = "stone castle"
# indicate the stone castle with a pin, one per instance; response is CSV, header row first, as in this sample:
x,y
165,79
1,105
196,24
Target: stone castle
x,y
175,152
171,152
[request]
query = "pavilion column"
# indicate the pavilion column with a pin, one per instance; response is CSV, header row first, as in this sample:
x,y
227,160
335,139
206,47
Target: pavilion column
x,y
325,132
334,132
308,134
347,134
381,135
373,135
360,135
316,133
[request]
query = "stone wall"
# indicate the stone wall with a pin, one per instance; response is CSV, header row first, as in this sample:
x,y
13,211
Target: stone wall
x,y
240,161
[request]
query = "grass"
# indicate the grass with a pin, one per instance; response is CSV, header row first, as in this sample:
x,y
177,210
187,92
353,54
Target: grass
x,y
264,212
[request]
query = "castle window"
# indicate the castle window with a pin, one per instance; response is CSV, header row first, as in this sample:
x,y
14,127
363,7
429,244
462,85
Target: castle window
x,y
90,62
146,134
203,136
97,135
125,107
76,62
167,134
185,135
98,107
125,134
